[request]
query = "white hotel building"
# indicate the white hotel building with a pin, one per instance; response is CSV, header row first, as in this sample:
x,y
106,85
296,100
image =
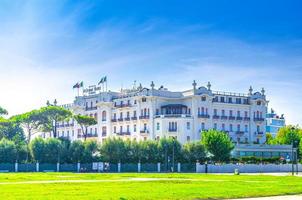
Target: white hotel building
x,y
149,113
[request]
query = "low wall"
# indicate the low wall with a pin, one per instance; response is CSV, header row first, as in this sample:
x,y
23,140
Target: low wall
x,y
247,168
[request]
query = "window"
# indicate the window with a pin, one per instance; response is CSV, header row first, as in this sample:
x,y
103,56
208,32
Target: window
x,y
114,116
104,116
206,111
245,113
258,128
223,113
96,131
114,129
223,127
189,111
202,110
145,127
157,111
238,113
134,101
238,100
203,98
246,129
188,138
144,99
215,126
238,127
215,112
259,103
128,129
134,113
91,104
121,129
145,112
128,102
245,101
188,126
79,131
121,115
104,131
230,99
231,127
128,114
202,126
91,131
157,126
222,99
134,128
231,113
215,99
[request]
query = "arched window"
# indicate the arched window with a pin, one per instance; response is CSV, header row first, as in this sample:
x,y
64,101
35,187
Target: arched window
x,y
202,110
104,115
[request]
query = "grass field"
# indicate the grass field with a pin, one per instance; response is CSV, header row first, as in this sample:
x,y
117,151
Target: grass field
x,y
143,186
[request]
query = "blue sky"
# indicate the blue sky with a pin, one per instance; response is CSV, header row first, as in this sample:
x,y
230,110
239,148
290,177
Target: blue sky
x,y
47,46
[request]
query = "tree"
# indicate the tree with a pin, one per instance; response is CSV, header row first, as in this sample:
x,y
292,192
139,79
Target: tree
x,y
8,151
50,116
289,135
37,149
3,111
150,151
52,150
90,151
113,150
169,149
269,138
9,129
85,122
218,144
76,151
194,151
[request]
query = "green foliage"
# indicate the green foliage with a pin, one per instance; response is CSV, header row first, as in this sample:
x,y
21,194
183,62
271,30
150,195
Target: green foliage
x,y
76,151
193,152
49,116
289,135
8,151
37,148
166,146
269,138
85,122
9,129
218,144
113,150
3,111
90,151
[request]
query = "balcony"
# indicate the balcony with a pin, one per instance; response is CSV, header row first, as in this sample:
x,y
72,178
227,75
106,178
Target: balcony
x,y
104,134
246,118
123,133
120,119
113,120
216,117
89,135
127,119
172,116
239,132
134,118
238,118
172,130
257,119
122,105
144,131
232,118
206,116
224,117
90,108
144,117
259,133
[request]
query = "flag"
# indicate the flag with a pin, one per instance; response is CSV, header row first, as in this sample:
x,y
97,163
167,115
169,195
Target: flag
x,y
103,80
81,84
76,86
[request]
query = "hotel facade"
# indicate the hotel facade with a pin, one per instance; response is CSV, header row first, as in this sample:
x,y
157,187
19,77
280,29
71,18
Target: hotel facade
x,y
144,113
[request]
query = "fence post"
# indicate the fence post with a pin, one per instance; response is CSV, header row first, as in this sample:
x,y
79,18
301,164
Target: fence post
x,y
158,167
78,167
37,167
58,167
119,167
16,167
139,167
196,167
178,167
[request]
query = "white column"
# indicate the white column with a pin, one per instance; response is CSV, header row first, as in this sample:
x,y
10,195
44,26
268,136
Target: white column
x,y
158,167
37,167
16,167
58,167
78,167
139,167
119,167
178,167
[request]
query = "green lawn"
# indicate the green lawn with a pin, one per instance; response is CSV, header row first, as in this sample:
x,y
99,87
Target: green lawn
x,y
136,186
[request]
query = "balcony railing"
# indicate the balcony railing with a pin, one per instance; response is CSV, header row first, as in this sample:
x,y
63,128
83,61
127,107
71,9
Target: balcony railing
x,y
104,134
258,133
120,119
216,117
89,135
172,130
122,105
258,119
238,118
113,120
239,132
144,131
123,133
172,116
127,119
134,118
224,117
203,116
246,118
231,118
90,108
144,117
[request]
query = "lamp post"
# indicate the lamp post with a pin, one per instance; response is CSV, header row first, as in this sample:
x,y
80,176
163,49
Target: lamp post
x,y
173,155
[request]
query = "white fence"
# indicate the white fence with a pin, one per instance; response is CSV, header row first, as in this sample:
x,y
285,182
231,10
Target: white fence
x,y
247,168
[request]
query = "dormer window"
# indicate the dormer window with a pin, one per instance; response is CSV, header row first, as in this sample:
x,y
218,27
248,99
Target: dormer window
x,y
144,99
203,98
259,103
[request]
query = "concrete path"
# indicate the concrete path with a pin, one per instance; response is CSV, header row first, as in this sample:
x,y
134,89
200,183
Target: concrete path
x,y
288,197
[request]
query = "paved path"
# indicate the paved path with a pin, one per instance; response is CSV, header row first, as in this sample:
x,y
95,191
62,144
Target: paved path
x,y
288,197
